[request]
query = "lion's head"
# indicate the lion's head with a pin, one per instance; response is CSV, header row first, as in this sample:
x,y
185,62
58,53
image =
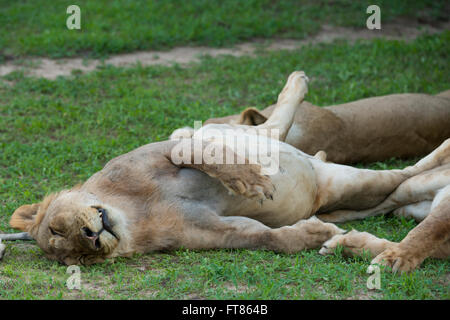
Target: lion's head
x,y
71,226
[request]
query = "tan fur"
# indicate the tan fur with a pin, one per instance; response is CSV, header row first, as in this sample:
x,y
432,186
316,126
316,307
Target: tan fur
x,y
431,238
148,200
23,217
366,130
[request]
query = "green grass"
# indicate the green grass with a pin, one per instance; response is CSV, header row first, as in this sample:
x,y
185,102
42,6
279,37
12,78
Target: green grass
x,y
38,27
54,134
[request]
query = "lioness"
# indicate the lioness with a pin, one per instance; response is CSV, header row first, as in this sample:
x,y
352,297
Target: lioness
x,y
148,200
366,130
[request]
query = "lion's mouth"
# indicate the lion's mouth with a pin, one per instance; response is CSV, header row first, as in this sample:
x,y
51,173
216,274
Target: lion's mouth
x,y
94,237
105,222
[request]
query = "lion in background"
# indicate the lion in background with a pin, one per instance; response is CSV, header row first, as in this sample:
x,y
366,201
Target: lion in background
x,y
367,130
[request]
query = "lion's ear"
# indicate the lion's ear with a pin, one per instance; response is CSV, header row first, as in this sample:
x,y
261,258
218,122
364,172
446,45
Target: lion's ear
x,y
24,217
252,117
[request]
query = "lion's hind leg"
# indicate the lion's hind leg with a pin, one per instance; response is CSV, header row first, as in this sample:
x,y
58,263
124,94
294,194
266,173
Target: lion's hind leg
x,y
289,99
356,243
418,189
417,211
431,238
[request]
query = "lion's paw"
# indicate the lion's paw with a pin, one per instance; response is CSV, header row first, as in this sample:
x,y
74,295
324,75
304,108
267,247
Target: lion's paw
x,y
299,81
354,243
298,76
397,260
329,246
296,87
182,133
250,183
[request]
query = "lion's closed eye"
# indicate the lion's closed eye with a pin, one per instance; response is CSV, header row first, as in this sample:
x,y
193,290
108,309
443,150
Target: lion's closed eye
x,y
56,232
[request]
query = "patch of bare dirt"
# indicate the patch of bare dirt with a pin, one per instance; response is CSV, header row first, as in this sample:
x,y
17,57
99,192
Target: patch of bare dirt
x,y
50,68
240,288
96,288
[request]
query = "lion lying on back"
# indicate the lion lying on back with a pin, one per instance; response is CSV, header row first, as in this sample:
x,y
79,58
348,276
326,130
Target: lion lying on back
x,y
149,200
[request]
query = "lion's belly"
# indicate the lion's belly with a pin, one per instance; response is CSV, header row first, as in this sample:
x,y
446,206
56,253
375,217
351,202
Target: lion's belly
x,y
293,200
292,175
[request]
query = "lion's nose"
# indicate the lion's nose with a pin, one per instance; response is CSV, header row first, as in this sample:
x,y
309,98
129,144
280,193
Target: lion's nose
x,y
92,236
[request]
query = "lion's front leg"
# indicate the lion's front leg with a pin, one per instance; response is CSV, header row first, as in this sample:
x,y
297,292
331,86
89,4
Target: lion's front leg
x,y
214,232
239,177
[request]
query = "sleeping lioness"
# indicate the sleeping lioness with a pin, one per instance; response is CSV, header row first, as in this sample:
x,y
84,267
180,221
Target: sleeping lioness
x,y
149,200
367,130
